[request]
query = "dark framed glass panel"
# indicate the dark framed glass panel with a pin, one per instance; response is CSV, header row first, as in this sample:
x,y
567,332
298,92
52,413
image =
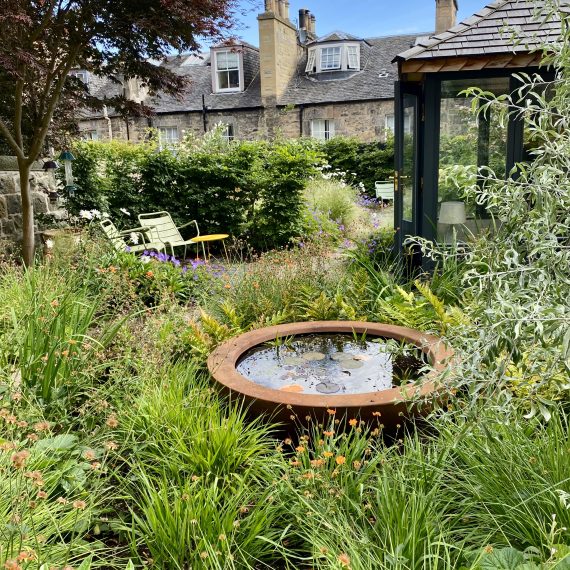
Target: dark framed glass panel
x,y
408,171
467,141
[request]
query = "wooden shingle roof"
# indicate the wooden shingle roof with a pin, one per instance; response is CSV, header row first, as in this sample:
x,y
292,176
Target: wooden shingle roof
x,y
501,27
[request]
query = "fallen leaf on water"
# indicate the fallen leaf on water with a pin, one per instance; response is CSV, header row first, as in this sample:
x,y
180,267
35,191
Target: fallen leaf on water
x,y
292,388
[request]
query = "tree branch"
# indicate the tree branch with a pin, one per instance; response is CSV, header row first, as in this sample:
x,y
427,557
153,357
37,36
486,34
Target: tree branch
x,y
11,141
40,134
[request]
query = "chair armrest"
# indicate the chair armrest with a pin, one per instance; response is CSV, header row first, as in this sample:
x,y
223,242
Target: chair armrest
x,y
191,222
141,229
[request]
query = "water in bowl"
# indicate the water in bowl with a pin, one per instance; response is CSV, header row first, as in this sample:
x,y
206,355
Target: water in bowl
x,y
331,364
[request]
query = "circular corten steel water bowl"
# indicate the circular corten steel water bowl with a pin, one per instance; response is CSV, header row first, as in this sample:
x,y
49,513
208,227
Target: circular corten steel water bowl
x,y
391,403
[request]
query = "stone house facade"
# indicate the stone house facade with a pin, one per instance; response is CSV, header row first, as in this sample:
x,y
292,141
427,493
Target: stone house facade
x,y
294,84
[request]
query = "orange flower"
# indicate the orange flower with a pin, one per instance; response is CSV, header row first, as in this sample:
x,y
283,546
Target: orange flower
x,y
12,565
328,433
42,495
340,460
288,441
300,449
19,458
61,500
41,426
26,555
357,464
110,445
65,353
55,303
331,412
112,269
255,285
328,453
377,414
227,286
317,462
149,274
112,421
353,422
89,454
295,463
344,560
80,505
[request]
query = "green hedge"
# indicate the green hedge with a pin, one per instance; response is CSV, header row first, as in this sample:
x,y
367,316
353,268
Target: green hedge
x,y
363,162
248,189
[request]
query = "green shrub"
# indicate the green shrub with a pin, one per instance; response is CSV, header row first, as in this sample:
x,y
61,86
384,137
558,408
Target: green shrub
x,y
365,163
251,189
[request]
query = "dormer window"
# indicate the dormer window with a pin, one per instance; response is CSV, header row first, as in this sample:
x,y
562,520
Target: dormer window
x,y
227,68
328,58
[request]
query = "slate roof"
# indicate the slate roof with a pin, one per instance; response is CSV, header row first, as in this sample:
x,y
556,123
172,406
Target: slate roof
x,y
336,36
375,80
199,75
502,26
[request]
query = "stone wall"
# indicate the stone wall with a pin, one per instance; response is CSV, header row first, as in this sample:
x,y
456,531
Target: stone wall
x,y
41,184
364,120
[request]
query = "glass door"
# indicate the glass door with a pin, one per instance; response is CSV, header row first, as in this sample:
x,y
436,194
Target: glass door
x,y
406,179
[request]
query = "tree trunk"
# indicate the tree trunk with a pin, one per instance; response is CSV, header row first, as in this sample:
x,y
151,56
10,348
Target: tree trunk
x,y
28,238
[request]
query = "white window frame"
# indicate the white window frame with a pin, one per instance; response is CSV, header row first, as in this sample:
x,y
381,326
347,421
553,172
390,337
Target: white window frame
x,y
227,70
349,58
165,140
311,61
90,135
322,129
331,57
228,134
80,74
353,57
391,118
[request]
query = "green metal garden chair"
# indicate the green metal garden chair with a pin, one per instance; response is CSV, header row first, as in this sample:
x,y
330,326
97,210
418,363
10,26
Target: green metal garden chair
x,y
119,238
162,228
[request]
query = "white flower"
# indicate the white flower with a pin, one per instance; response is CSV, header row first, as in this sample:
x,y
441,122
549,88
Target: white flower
x,y
49,243
124,211
134,237
95,215
86,214
145,258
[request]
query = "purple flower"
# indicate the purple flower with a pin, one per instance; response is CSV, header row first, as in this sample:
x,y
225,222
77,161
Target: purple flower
x,y
127,249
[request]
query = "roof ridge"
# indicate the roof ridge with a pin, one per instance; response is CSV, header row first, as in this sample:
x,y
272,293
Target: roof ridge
x,y
463,26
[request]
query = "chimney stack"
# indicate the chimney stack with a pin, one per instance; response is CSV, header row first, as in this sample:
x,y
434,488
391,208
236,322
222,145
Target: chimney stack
x,y
283,9
313,24
303,19
270,6
445,15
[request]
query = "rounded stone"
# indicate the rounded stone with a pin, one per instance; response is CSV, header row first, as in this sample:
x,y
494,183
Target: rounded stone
x,y
339,356
314,356
327,388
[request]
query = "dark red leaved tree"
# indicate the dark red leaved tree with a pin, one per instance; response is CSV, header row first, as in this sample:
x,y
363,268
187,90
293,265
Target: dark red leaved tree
x,y
42,40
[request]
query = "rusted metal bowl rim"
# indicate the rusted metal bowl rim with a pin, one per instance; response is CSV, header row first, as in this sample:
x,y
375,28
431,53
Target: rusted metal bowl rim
x,y
223,360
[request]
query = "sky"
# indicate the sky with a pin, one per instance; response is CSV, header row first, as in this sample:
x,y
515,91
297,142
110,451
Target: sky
x,y
363,18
